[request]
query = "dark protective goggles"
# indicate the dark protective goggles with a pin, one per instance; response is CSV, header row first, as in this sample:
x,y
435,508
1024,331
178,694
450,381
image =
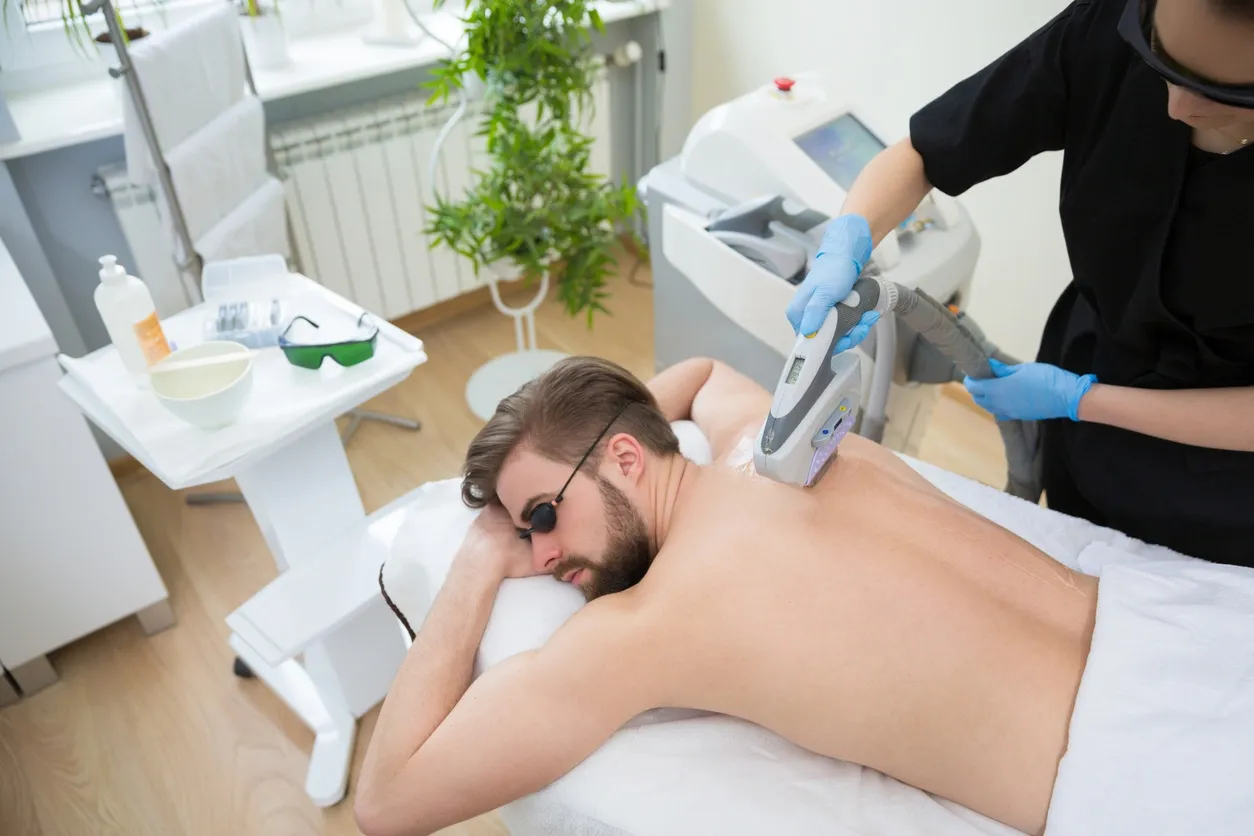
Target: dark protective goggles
x,y
346,353
1136,26
543,517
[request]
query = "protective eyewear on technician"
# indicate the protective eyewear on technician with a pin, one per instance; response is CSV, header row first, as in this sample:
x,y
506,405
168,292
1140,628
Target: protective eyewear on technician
x,y
1136,26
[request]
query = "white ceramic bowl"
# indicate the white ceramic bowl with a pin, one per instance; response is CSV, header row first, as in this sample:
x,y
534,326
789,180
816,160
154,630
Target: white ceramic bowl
x,y
209,397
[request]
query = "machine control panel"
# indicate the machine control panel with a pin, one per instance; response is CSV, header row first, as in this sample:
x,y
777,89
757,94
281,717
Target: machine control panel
x,y
841,148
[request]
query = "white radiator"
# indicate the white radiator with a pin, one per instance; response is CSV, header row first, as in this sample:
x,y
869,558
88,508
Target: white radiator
x,y
356,197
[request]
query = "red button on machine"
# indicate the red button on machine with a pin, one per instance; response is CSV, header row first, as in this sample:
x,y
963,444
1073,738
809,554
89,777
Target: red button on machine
x,y
784,84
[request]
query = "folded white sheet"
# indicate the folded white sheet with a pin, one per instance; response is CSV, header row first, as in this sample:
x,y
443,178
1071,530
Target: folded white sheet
x,y
1162,736
684,773
216,168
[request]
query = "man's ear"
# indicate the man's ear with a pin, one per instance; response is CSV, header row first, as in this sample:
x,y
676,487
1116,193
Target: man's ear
x,y
626,455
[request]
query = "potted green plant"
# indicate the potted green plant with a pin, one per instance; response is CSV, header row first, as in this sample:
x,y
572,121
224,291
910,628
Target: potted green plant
x,y
537,208
74,22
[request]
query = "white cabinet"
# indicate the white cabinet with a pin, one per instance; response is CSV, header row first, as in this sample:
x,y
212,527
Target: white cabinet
x,y
71,557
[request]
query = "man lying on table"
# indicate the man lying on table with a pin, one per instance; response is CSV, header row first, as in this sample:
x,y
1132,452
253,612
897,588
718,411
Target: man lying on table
x,y
869,618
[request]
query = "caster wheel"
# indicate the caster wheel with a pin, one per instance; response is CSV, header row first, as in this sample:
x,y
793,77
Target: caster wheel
x,y
242,670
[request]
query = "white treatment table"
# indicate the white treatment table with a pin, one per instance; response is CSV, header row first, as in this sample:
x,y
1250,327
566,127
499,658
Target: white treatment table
x,y
683,773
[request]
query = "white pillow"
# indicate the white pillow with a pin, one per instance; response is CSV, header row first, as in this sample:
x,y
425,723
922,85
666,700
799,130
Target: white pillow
x,y
527,610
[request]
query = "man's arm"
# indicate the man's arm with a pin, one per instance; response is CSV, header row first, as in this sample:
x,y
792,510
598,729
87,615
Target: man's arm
x,y
443,752
721,401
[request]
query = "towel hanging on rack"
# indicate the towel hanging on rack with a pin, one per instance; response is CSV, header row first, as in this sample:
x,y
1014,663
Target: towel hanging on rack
x,y
258,226
218,166
189,74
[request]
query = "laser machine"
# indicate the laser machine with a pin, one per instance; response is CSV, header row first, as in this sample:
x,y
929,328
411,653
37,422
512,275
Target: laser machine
x,y
735,222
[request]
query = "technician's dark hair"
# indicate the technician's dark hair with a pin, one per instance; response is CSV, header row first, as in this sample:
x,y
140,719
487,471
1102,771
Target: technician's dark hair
x,y
1239,9
558,415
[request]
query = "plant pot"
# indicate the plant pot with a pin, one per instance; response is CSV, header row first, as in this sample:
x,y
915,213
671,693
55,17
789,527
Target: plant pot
x,y
391,25
266,41
133,34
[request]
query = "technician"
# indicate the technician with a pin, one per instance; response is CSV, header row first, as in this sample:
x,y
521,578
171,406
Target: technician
x,y
1145,373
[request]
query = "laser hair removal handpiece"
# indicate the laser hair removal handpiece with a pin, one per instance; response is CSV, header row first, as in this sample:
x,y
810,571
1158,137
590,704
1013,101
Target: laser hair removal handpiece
x,y
818,395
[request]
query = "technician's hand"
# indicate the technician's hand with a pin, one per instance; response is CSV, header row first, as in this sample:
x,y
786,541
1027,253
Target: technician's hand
x,y
493,543
1030,391
845,250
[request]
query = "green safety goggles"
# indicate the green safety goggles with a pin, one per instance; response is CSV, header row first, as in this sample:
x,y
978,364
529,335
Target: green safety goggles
x,y
346,353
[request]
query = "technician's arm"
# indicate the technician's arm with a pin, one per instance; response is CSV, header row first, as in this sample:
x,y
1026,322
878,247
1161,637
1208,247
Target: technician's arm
x,y
444,750
885,193
1218,418
889,188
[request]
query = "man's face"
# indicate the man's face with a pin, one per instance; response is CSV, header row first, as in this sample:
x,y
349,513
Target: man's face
x,y
599,544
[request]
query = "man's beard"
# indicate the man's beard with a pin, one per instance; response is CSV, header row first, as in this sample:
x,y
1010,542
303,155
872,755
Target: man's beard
x,y
627,554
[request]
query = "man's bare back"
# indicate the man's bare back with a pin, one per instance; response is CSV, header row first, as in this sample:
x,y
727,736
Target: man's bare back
x,y
869,618
874,620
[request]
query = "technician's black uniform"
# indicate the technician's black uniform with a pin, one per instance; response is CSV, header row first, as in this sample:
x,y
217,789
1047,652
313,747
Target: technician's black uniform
x,y
1161,241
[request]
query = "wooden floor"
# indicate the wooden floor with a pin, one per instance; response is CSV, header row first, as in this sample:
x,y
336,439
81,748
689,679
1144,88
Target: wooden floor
x,y
156,736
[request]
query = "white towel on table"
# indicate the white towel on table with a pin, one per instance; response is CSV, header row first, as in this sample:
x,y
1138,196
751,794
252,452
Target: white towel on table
x,y
1162,736
189,74
219,166
258,226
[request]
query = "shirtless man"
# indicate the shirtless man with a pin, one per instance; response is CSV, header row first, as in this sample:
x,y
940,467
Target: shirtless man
x,y
869,618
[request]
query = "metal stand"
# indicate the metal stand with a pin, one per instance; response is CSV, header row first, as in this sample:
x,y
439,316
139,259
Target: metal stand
x,y
356,416
192,263
502,375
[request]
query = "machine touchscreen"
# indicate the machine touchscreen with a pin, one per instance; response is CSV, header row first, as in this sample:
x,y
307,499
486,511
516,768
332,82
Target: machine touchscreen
x,y
841,147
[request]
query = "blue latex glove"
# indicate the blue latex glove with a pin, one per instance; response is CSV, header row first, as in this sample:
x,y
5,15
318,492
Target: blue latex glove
x,y
858,333
845,250
1030,391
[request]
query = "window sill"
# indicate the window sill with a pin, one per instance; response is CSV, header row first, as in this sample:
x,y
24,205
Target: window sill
x,y
81,112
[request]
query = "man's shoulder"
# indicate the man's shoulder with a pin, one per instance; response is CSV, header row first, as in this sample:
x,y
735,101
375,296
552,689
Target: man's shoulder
x,y
624,616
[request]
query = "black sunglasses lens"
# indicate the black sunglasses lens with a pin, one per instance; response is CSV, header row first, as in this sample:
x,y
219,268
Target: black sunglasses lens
x,y
544,518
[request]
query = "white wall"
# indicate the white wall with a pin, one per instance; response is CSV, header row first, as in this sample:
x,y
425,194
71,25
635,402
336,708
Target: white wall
x,y
897,55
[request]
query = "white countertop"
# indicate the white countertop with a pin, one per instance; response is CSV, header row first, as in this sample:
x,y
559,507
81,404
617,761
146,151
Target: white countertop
x,y
63,116
24,335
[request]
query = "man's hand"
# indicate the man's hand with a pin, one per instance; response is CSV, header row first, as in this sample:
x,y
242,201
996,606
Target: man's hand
x,y
494,541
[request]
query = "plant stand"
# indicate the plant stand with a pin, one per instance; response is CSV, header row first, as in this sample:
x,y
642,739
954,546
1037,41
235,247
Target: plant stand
x,y
502,376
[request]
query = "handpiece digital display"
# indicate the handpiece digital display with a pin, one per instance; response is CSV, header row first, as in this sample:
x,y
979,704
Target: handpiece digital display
x,y
795,371
842,148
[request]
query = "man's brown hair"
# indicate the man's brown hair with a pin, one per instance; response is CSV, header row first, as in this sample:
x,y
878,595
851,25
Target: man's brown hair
x,y
559,415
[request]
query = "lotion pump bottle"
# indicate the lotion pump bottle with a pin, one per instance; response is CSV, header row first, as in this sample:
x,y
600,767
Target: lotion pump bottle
x,y
130,317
